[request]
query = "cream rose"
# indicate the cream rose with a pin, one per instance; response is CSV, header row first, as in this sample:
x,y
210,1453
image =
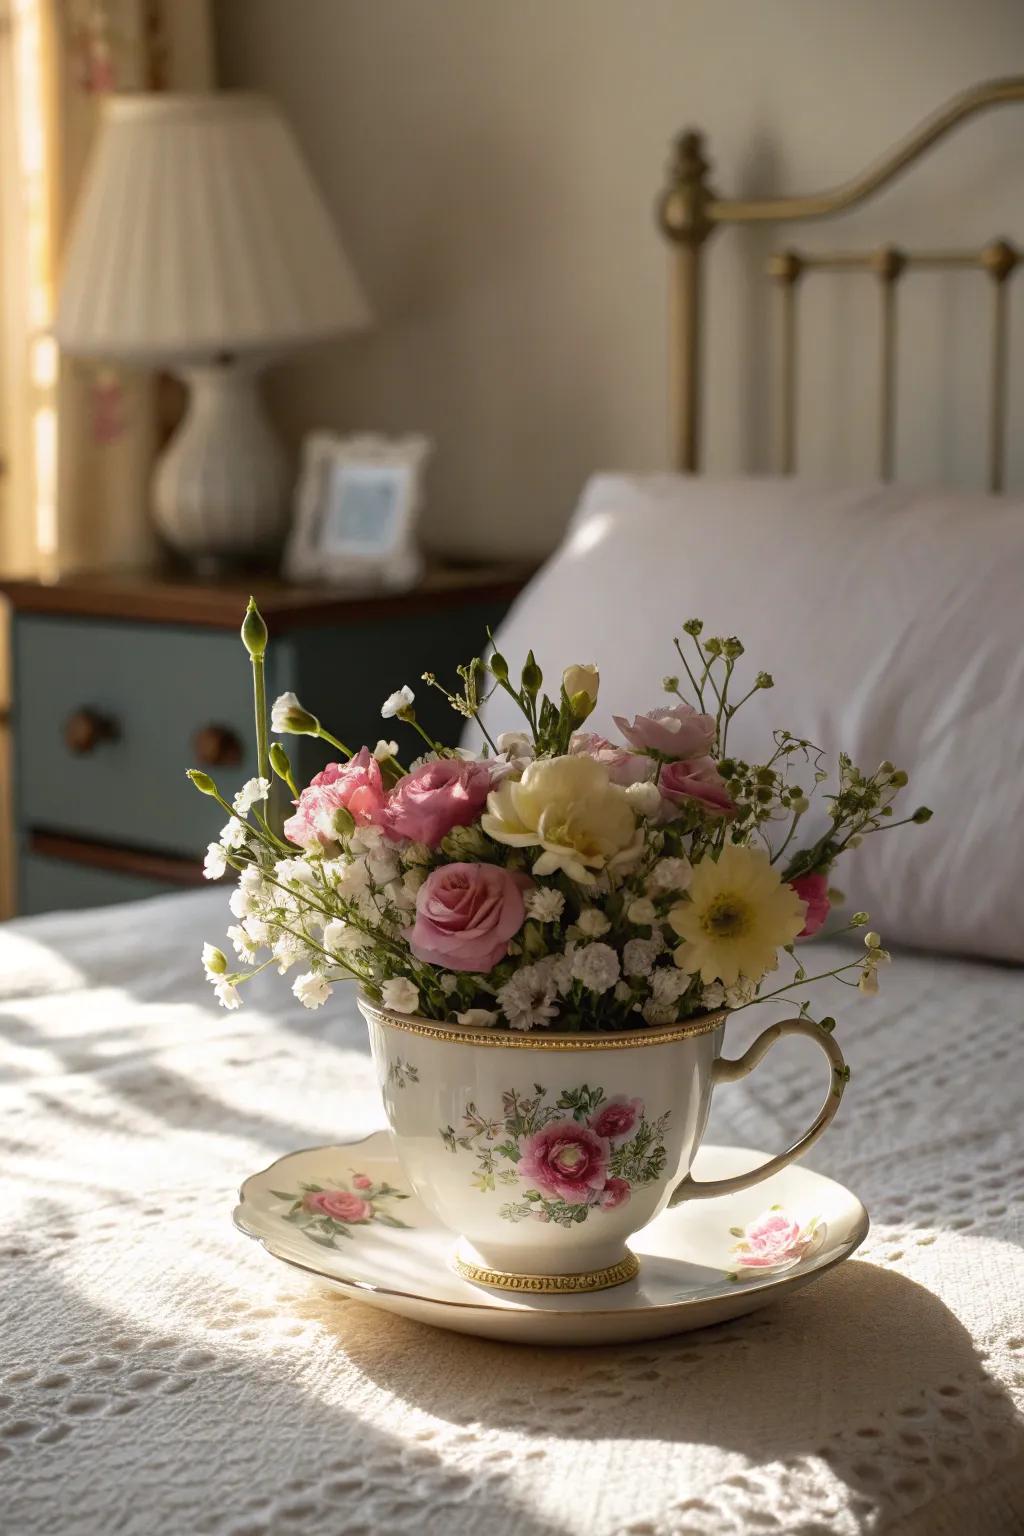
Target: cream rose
x,y
569,807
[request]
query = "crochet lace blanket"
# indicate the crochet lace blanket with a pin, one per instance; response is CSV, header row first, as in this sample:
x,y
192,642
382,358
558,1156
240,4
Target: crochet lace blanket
x,y
159,1373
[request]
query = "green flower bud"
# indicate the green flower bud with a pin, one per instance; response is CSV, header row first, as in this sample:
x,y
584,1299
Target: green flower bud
x,y
581,705
498,666
764,680
732,648
921,815
202,781
714,646
215,961
828,1023
670,684
279,761
800,806
872,940
887,767
859,919
343,821
532,675
899,778
254,632
693,627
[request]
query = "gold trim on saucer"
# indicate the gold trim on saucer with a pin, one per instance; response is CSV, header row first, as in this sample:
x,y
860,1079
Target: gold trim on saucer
x,y
551,1285
454,1033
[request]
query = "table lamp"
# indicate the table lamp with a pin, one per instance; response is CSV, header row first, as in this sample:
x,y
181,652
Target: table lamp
x,y
201,246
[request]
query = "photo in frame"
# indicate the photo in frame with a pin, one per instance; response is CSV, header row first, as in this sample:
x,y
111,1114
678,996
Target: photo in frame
x,y
357,506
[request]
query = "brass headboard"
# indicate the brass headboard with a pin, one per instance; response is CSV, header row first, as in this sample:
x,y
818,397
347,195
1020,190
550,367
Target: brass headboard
x,y
689,213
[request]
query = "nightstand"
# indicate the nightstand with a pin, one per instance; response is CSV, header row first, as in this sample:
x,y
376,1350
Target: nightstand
x,y
120,683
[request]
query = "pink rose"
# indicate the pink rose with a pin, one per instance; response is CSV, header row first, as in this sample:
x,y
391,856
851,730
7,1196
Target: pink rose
x,y
623,767
616,1192
465,916
772,1239
360,1181
355,786
616,1119
434,798
676,732
813,892
338,1203
565,1159
699,781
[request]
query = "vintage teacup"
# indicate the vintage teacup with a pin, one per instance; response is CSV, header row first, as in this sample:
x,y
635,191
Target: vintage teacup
x,y
545,1152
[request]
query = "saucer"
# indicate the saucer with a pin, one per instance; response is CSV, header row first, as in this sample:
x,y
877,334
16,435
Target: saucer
x,y
345,1215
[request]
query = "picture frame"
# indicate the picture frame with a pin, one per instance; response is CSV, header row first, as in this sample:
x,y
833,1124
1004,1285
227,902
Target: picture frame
x,y
357,504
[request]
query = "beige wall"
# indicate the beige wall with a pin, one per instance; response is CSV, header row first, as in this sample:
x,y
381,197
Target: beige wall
x,y
492,165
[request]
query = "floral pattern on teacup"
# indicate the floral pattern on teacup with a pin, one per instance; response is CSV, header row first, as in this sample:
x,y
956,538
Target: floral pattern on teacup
x,y
326,1212
582,1153
400,1072
775,1241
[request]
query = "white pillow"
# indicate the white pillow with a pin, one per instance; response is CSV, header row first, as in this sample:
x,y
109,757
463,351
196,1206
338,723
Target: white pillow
x,y
892,620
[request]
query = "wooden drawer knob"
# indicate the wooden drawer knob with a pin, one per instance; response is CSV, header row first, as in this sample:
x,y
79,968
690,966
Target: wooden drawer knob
x,y
86,729
217,746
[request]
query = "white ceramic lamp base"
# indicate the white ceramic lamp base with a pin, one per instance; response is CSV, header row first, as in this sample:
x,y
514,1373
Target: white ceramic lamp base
x,y
220,489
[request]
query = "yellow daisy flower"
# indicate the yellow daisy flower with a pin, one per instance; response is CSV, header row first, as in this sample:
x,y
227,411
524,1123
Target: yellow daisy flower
x,y
738,916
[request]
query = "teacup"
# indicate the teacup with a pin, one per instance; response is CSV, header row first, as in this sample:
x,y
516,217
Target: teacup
x,y
544,1152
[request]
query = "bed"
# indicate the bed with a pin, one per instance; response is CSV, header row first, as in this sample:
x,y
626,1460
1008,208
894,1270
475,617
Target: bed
x,y
158,1374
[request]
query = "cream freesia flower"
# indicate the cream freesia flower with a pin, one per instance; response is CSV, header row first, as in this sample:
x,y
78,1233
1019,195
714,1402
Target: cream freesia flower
x,y
738,916
570,809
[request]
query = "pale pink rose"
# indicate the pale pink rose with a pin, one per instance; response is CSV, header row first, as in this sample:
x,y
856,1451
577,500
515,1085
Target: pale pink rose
x,y
617,1119
565,1159
623,767
678,731
426,804
772,1239
813,892
355,786
361,1181
465,916
340,1204
616,1192
697,780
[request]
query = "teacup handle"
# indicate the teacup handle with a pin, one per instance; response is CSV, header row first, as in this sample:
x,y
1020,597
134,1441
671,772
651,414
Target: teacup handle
x,y
724,1071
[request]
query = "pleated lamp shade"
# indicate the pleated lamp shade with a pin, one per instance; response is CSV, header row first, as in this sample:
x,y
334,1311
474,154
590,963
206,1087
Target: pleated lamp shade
x,y
199,231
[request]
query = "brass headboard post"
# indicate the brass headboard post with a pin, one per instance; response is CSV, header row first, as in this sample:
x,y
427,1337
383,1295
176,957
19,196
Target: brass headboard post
x,y
689,212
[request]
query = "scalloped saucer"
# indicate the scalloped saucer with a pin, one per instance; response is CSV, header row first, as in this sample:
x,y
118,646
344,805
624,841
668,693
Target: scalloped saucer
x,y
343,1214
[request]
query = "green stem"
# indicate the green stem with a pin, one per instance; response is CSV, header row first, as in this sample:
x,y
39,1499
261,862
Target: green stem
x,y
259,693
325,735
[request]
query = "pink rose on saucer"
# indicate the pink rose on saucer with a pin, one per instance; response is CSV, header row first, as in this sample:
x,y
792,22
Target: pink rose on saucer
x,y
813,891
437,796
465,916
678,731
565,1159
355,786
360,1181
338,1203
698,781
616,1192
774,1239
617,1119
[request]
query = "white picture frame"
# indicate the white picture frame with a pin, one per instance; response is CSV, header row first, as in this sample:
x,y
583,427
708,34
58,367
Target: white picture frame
x,y
357,506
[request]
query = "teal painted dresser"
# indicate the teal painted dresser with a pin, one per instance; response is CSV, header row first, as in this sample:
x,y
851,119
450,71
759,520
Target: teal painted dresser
x,y
121,683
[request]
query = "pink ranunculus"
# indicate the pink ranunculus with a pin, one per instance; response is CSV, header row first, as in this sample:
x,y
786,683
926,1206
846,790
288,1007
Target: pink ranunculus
x,y
465,916
678,731
426,804
338,1203
699,781
623,767
616,1192
360,1181
565,1159
813,892
616,1119
355,786
774,1238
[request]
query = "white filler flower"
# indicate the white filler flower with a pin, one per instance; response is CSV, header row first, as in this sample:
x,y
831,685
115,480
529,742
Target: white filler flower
x,y
250,792
215,862
397,702
312,990
545,905
400,995
596,966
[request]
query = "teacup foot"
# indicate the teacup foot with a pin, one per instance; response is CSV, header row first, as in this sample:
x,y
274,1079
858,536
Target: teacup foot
x,y
627,1268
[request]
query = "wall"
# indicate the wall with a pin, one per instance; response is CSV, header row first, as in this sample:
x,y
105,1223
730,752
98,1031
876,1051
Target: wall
x,y
493,163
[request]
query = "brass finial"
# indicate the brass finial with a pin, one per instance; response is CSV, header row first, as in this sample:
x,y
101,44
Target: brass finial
x,y
999,259
888,263
682,207
785,267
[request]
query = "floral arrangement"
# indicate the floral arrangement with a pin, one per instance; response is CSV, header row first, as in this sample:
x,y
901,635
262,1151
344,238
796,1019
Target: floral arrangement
x,y
553,879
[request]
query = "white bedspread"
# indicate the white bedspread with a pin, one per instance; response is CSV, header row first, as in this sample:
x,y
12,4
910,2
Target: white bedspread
x,y
158,1373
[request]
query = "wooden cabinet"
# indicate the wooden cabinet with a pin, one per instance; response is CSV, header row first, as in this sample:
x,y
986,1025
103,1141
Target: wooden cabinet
x,y
122,683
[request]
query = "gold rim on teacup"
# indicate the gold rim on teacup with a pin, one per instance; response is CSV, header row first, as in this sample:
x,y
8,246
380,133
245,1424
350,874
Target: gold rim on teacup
x,y
453,1033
